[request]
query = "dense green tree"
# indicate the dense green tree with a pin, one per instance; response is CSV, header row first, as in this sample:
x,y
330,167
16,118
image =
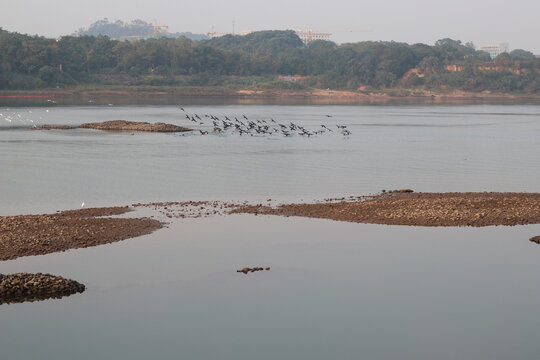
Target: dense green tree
x,y
33,62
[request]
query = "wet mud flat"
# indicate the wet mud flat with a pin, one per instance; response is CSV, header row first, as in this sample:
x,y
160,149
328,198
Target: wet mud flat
x,y
25,235
417,209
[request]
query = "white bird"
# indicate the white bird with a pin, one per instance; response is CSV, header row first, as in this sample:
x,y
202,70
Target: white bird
x,y
82,205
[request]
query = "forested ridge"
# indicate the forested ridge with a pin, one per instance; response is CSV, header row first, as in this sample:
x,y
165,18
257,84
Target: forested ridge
x,y
256,60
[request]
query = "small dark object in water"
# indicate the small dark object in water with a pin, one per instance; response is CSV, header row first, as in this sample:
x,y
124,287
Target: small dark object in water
x,y
248,270
535,239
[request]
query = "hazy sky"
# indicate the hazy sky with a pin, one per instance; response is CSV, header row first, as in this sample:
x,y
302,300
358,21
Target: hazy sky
x,y
480,21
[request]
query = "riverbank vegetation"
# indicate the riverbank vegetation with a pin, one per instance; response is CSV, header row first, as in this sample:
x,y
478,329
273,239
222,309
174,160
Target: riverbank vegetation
x,y
261,60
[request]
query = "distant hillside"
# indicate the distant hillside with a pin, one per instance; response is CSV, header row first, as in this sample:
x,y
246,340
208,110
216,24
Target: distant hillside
x,y
275,59
136,29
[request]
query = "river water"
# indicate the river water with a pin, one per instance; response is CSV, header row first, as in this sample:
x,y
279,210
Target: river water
x,y
426,148
335,290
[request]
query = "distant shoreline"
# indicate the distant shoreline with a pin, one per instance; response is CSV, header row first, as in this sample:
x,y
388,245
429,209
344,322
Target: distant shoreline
x,y
150,95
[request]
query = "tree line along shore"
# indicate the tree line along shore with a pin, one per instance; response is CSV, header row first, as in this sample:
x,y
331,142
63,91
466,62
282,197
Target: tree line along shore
x,y
261,61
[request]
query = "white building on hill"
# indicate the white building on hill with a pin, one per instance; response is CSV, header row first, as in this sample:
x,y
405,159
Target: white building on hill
x,y
494,50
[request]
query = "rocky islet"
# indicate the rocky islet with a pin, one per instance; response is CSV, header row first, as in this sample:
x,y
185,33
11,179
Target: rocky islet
x,y
123,125
118,125
21,287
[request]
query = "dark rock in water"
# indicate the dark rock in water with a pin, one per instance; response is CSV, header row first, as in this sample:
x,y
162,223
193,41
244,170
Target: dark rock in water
x,y
535,239
22,287
123,125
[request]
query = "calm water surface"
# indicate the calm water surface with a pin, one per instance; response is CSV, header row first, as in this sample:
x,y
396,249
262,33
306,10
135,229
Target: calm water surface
x,y
335,291
426,148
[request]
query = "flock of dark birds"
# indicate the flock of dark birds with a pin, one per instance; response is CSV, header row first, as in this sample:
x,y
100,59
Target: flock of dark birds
x,y
259,127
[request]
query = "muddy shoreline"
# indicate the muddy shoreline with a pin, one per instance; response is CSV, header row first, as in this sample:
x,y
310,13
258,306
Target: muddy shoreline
x,y
154,95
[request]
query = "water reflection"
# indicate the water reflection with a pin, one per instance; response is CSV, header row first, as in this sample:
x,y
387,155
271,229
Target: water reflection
x,y
30,298
335,290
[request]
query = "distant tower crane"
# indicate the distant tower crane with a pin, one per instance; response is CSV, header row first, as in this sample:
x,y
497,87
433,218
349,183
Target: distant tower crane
x,y
306,36
212,33
160,28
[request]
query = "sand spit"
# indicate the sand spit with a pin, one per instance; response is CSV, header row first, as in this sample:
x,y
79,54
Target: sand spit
x,y
51,127
123,125
21,287
419,209
25,235
118,125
